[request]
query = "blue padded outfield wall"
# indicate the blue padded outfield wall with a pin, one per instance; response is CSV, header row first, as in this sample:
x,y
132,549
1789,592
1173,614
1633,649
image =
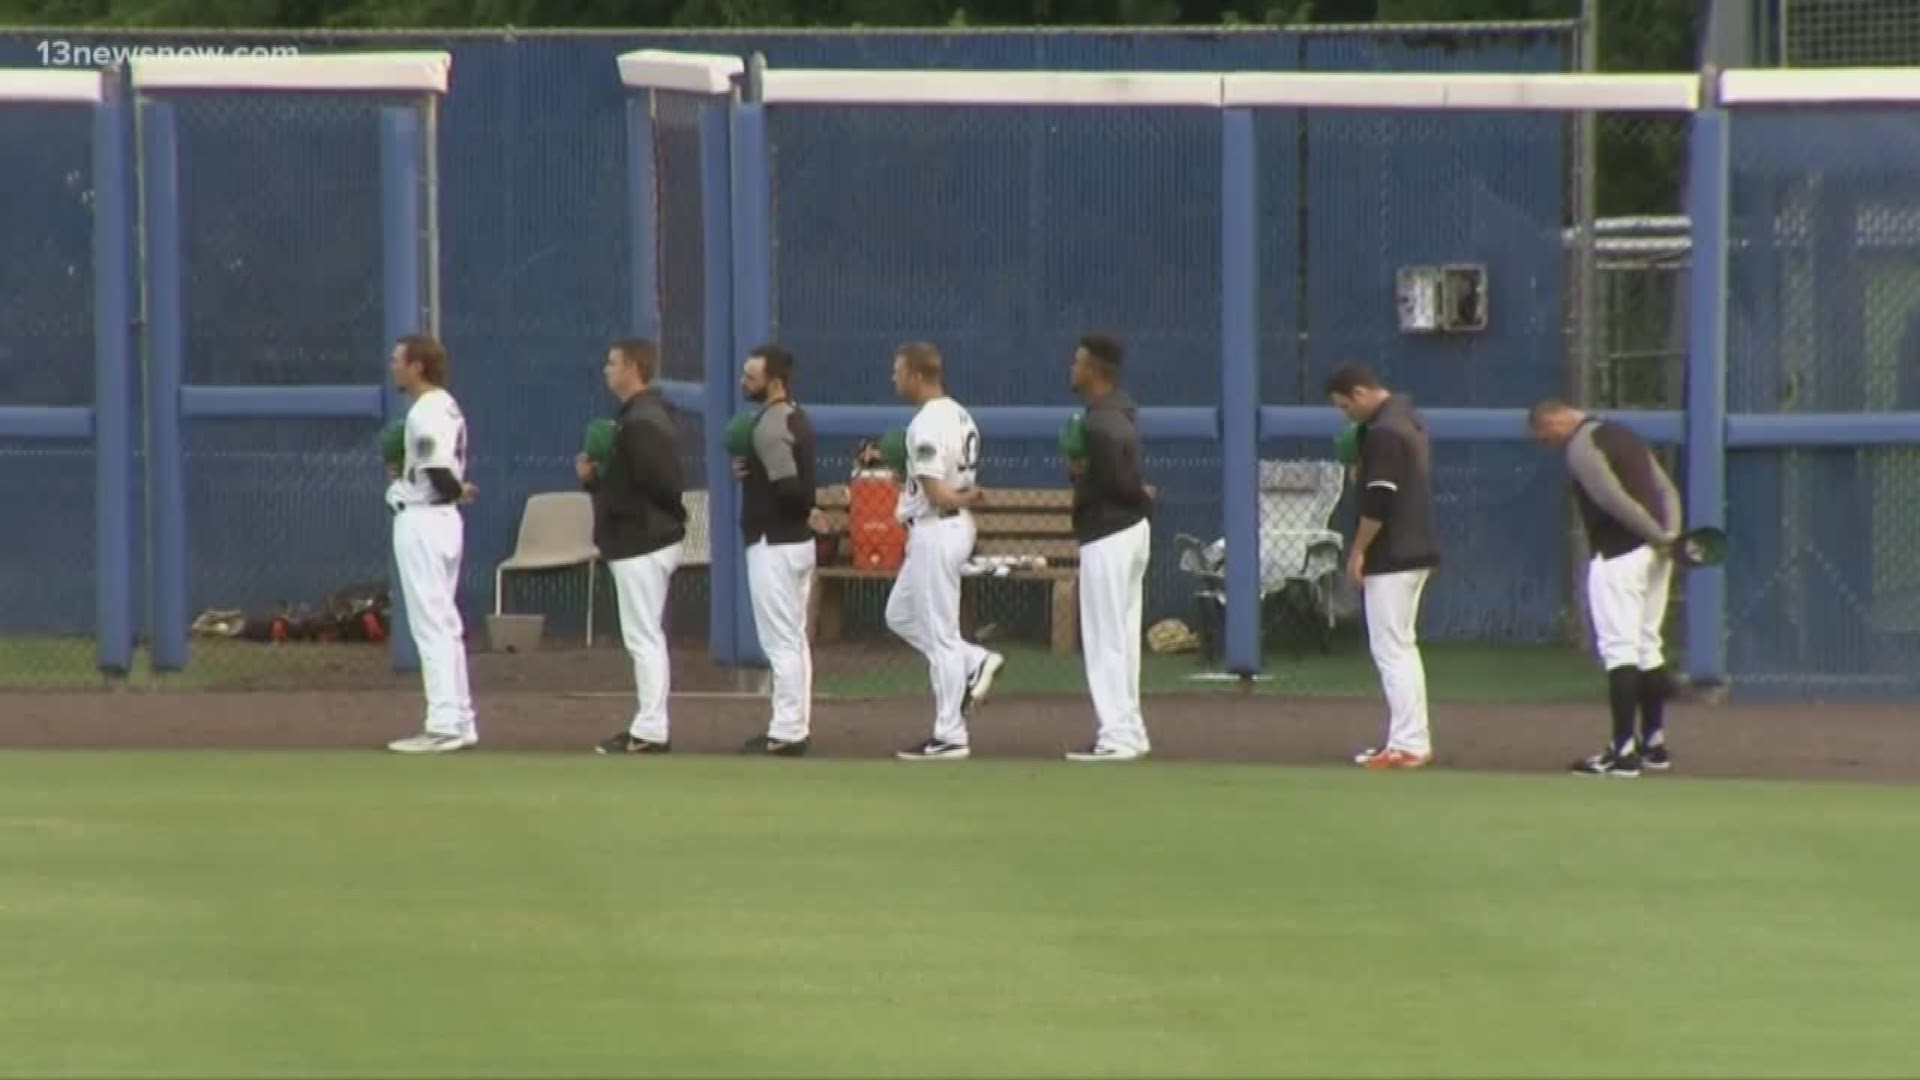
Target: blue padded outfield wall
x,y
998,235
1823,325
46,360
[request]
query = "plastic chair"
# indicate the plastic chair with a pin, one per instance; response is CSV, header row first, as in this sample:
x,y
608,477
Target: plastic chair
x,y
697,548
556,532
1297,550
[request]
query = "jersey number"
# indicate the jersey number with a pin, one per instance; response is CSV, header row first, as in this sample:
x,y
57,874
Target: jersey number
x,y
970,452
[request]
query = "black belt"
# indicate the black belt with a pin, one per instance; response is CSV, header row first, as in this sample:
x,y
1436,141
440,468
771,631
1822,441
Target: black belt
x,y
396,510
941,515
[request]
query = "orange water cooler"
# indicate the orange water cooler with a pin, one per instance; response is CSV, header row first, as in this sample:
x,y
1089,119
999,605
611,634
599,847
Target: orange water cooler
x,y
879,542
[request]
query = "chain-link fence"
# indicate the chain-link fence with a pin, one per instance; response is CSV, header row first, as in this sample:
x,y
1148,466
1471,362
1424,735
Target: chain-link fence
x,y
1628,255
1628,271
1395,199
1000,235
46,360
281,275
568,656
281,227
1847,33
681,262
1823,314
1471,260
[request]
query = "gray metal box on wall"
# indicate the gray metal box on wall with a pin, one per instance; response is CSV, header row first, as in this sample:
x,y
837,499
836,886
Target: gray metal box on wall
x,y
1441,299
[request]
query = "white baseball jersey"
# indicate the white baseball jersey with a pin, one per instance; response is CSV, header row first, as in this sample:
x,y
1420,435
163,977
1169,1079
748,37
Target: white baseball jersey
x,y
436,439
942,444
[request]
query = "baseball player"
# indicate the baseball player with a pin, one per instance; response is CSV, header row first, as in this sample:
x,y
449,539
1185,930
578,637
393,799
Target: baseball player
x,y
639,522
1394,552
777,520
943,456
1631,511
1111,512
425,495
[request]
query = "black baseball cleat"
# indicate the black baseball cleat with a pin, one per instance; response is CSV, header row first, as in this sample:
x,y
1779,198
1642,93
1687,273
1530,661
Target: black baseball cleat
x,y
935,750
1608,764
763,744
1656,759
980,683
624,743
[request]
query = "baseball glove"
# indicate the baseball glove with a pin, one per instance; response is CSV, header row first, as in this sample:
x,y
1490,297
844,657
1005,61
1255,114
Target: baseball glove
x,y
393,444
740,433
1700,547
893,447
1346,445
598,442
1073,438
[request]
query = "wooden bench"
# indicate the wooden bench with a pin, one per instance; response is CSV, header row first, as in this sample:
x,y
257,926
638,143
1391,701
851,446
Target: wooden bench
x,y
1009,521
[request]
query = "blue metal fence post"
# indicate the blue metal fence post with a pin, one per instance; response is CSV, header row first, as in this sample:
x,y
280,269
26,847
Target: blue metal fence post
x,y
1240,389
752,301
402,271
641,227
166,332
113,378
716,236
1706,403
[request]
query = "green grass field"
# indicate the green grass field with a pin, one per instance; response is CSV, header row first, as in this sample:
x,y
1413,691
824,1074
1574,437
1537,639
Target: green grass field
x,y
68,663
224,914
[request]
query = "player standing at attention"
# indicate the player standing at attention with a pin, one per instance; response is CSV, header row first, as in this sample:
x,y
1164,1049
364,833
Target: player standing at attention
x,y
428,540
1631,511
1111,512
638,525
943,456
1394,552
777,520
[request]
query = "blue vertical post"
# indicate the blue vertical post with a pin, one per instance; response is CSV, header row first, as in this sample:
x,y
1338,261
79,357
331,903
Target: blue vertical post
x,y
716,244
752,303
112,379
166,332
1706,451
1240,389
402,272
641,189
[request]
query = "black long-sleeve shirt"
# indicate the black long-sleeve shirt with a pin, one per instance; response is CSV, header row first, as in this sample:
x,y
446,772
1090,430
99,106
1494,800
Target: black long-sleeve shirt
x,y
1396,489
636,498
1110,495
778,493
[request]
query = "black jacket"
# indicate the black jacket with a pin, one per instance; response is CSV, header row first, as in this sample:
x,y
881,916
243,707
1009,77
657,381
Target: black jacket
x,y
1396,489
1109,495
636,499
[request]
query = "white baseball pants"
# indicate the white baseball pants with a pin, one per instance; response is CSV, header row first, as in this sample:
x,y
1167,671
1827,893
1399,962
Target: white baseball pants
x,y
779,578
1627,596
1393,612
427,546
924,611
1113,572
641,584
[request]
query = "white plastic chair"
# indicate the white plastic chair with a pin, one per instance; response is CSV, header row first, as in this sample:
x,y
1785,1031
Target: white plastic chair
x,y
697,548
556,532
1297,500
